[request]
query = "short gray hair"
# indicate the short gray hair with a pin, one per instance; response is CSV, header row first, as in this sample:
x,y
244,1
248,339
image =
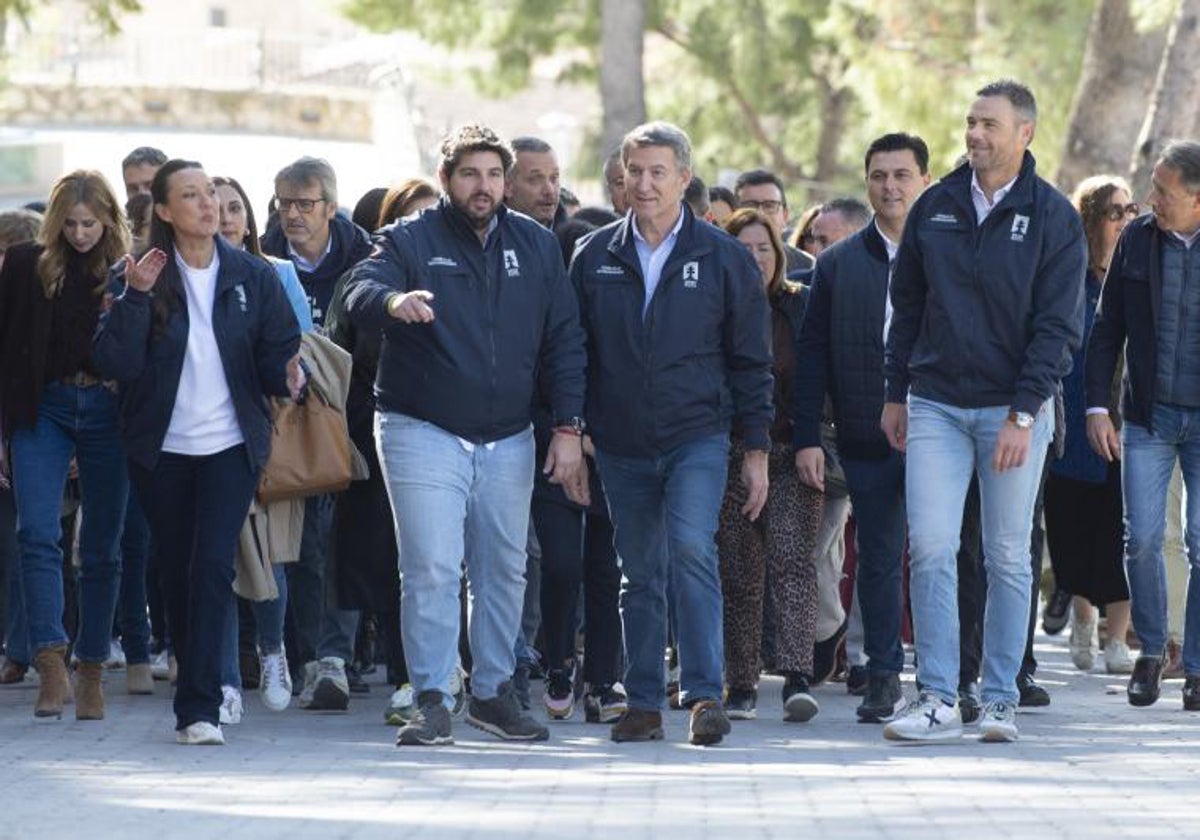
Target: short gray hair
x,y
659,133
308,170
1019,95
1184,157
533,145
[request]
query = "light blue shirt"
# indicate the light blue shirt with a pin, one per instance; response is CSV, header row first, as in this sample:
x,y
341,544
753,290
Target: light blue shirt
x,y
653,259
295,292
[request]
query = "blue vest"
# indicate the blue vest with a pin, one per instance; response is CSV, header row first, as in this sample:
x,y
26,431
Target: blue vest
x,y
1177,376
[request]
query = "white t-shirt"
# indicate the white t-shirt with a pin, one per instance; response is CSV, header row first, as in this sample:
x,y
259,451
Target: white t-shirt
x,y
204,421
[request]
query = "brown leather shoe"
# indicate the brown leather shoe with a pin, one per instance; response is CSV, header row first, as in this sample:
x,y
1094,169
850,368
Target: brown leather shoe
x,y
638,725
51,664
89,696
708,724
1174,668
12,672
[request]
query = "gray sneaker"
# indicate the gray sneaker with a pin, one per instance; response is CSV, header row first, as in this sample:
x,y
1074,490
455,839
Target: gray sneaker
x,y
430,726
503,716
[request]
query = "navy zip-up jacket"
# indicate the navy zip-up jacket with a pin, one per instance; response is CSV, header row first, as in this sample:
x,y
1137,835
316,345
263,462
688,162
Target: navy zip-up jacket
x,y
503,314
1127,319
700,357
350,245
256,332
986,315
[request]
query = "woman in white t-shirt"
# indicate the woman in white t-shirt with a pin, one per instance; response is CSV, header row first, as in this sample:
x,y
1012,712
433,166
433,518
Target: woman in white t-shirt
x,y
198,338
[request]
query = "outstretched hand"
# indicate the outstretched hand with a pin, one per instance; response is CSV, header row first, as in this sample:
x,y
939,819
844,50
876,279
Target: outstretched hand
x,y
143,274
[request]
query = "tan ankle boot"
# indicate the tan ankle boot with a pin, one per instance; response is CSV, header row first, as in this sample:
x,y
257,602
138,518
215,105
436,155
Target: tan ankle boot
x,y
51,665
138,679
89,696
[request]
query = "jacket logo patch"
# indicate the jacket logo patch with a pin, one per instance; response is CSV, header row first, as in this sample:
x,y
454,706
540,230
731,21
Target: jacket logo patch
x,y
691,275
1020,227
614,270
240,291
511,265
445,262
945,219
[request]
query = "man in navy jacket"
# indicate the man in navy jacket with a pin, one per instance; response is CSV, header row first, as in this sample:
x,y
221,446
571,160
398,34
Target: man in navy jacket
x,y
678,353
842,348
987,298
474,306
1148,309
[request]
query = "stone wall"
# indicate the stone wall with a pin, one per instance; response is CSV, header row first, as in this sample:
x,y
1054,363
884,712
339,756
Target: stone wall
x,y
339,116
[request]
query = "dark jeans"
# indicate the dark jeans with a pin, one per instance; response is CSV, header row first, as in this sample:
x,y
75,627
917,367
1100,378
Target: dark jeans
x,y
321,629
132,618
577,548
196,507
877,494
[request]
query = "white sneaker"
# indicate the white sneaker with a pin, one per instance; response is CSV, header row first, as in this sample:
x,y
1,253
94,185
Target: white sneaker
x,y
275,685
928,719
231,705
326,688
999,722
200,734
1117,658
402,706
1085,640
458,688
163,666
116,656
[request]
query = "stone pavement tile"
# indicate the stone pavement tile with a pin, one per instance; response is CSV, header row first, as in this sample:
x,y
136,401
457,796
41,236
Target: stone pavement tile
x,y
1089,766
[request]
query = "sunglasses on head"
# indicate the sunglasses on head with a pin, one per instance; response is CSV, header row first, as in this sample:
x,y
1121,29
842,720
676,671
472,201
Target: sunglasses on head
x,y
1116,212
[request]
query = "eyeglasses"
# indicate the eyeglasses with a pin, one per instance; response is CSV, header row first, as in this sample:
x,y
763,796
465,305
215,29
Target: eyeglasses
x,y
304,205
1116,212
765,206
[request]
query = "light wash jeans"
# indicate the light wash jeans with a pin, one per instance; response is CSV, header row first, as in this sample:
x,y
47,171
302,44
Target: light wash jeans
x,y
453,500
946,445
1149,458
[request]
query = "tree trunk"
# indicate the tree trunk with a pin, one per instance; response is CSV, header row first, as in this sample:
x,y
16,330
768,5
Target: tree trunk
x,y
1119,66
622,88
835,99
1175,108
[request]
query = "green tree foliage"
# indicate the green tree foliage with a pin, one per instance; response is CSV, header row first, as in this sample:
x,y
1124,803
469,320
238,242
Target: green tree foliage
x,y
105,12
797,85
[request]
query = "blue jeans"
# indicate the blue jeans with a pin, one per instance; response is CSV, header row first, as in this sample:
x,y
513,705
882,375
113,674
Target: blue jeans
x,y
1149,458
80,422
268,622
196,506
946,445
132,618
877,494
664,513
450,502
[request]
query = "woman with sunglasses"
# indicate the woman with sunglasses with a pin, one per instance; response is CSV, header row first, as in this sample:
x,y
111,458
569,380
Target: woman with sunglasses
x,y
1083,509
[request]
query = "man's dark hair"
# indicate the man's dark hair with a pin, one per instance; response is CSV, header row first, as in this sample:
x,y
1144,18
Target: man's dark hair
x,y
144,154
567,198
1018,94
722,194
695,195
468,139
898,142
536,145
756,178
852,210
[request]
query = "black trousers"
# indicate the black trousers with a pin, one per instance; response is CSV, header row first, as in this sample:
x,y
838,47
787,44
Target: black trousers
x,y
577,549
196,506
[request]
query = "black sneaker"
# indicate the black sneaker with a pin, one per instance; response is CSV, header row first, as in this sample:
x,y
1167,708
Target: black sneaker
x,y
1057,612
605,703
742,704
884,699
430,726
1032,695
798,703
503,716
355,681
1191,694
559,697
708,724
825,655
857,680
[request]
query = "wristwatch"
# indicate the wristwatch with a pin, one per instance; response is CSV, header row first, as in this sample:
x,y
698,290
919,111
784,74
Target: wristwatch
x,y
1021,419
572,425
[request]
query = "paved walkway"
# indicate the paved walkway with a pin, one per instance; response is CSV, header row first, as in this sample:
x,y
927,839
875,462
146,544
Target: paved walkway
x,y
1087,766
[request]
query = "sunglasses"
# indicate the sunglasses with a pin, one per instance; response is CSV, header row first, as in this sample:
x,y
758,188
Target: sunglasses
x,y
1116,212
